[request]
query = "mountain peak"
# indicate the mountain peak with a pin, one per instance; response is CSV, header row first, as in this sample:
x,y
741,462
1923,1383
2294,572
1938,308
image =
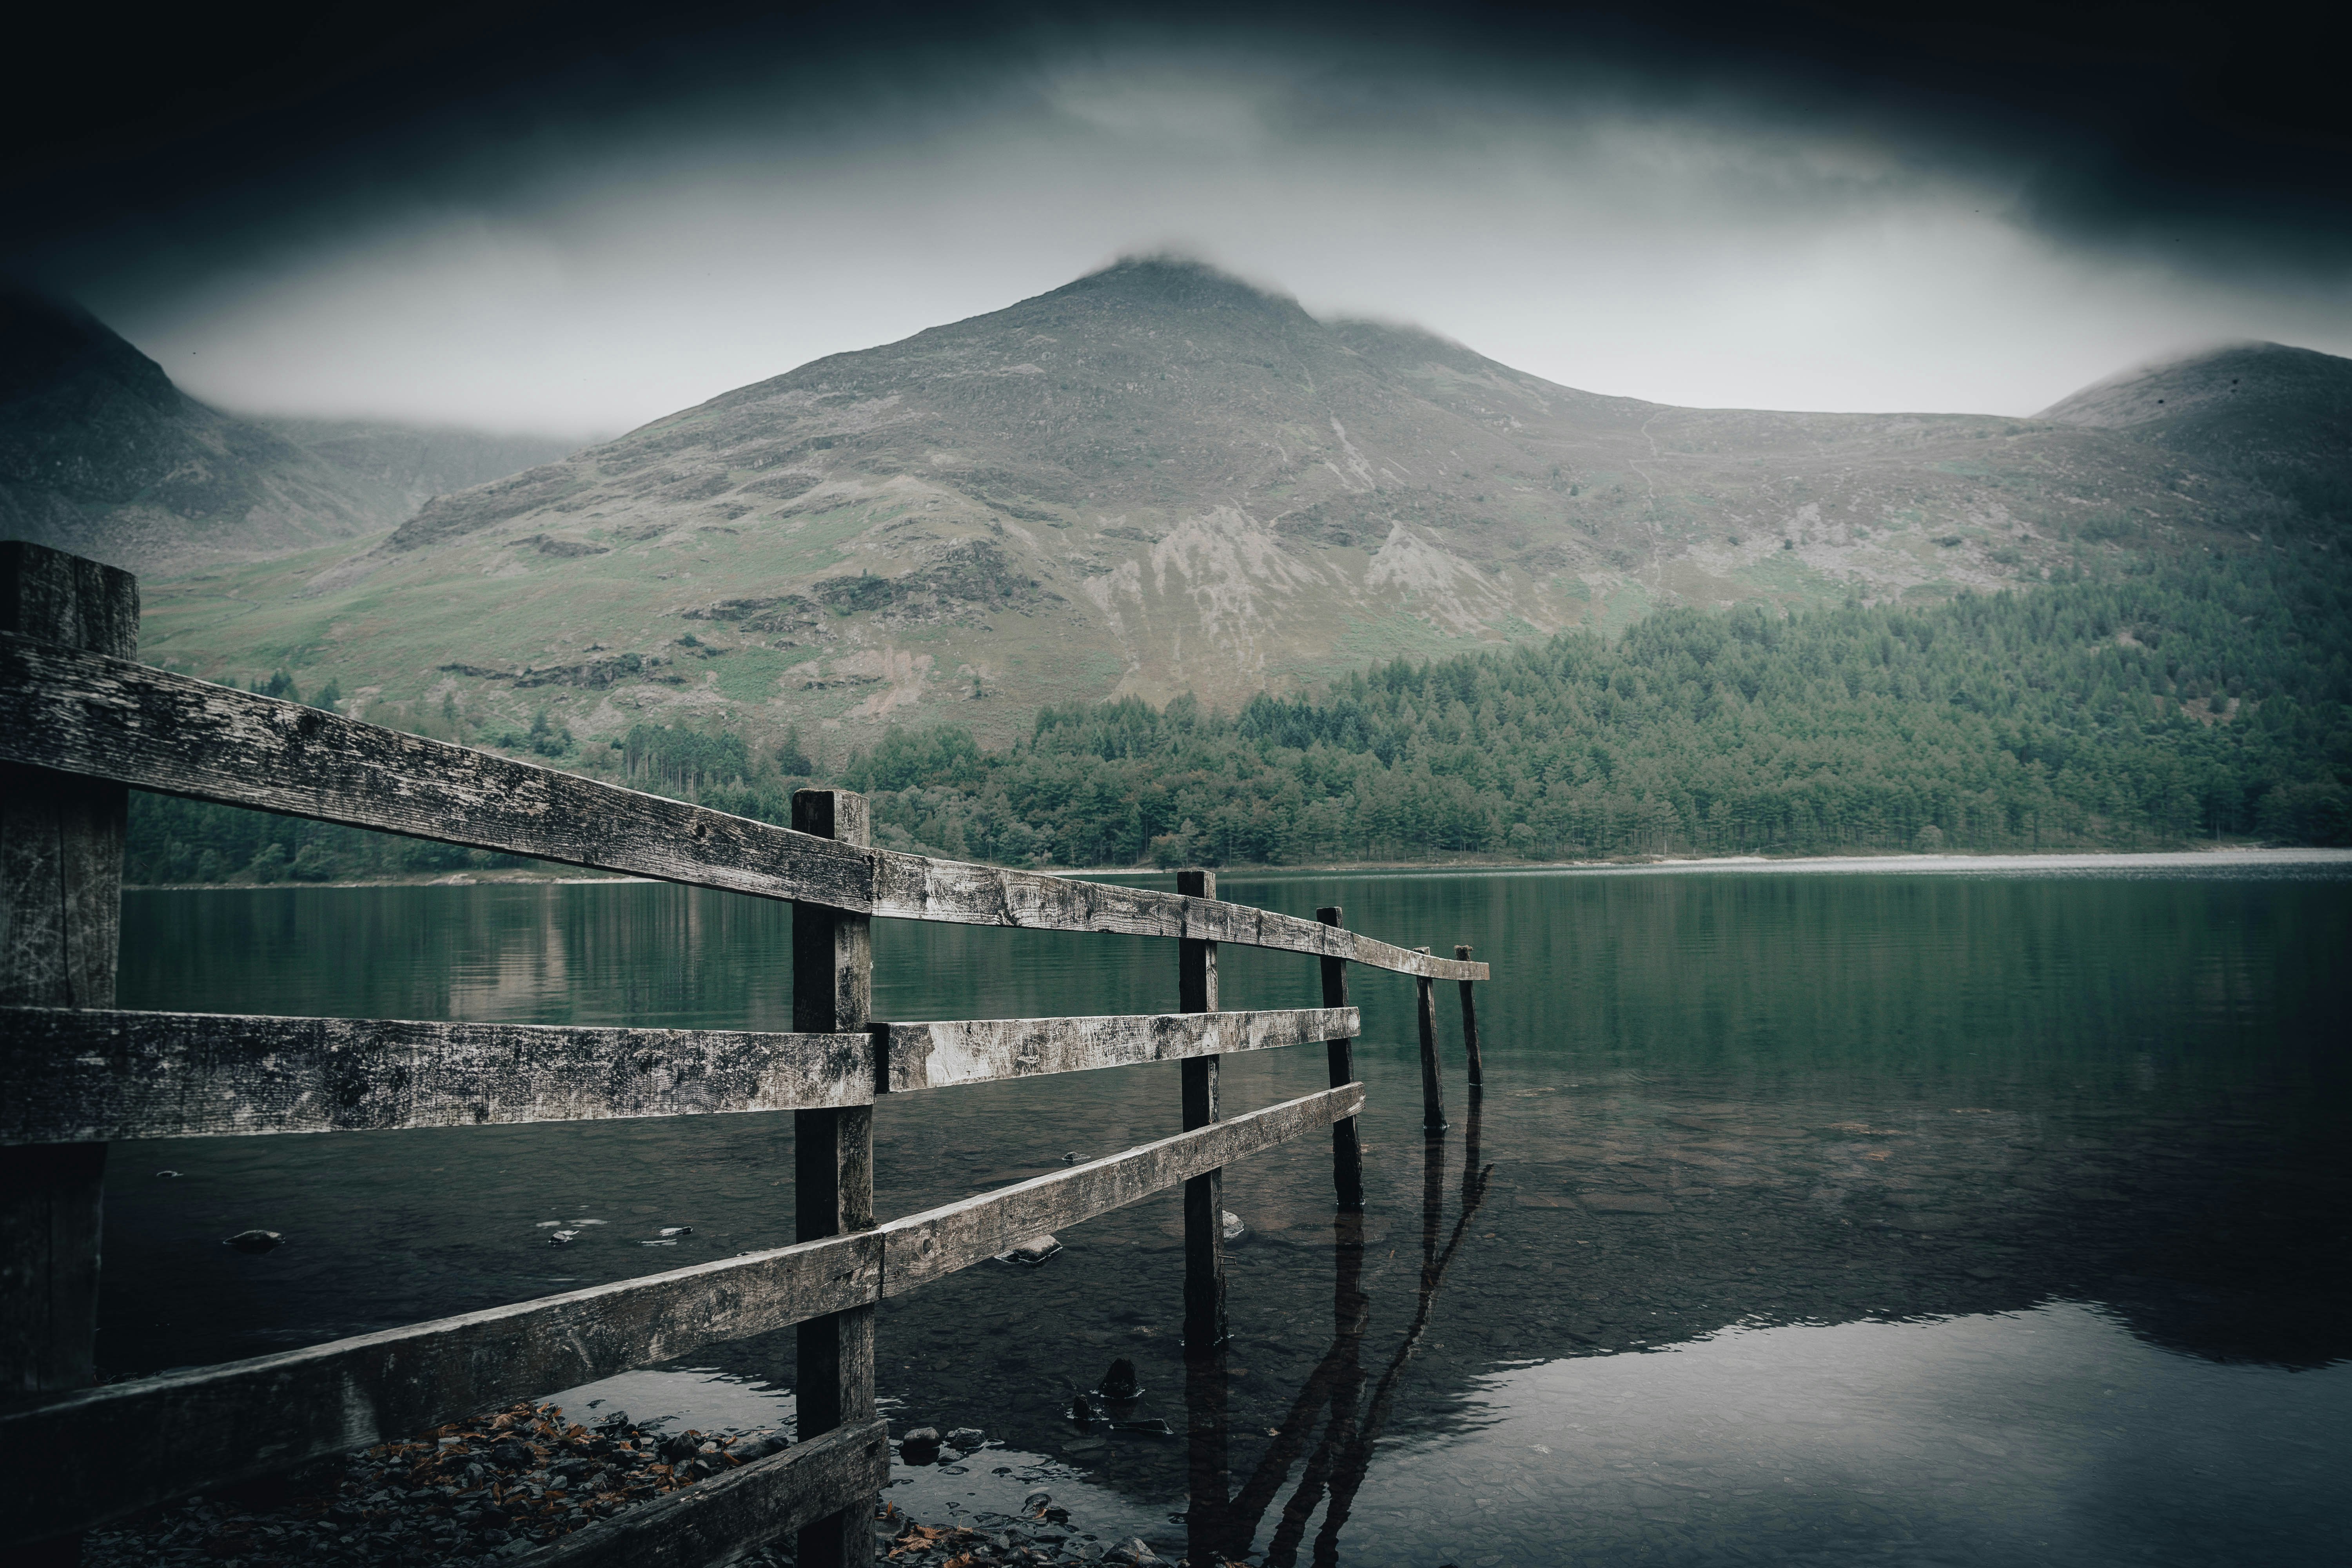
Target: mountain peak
x,y
2277,416
51,348
1172,280
2163,391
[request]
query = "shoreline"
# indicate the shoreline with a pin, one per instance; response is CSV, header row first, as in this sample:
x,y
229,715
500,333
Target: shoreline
x,y
507,1484
2085,859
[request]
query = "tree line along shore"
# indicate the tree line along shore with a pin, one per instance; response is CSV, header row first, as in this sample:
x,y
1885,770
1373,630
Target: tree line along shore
x,y
2149,705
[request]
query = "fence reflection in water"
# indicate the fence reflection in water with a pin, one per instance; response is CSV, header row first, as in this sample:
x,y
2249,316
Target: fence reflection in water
x,y
1221,1523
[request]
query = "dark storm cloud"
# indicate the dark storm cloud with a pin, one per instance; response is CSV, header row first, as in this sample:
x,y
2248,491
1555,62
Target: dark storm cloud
x,y
2207,134
578,217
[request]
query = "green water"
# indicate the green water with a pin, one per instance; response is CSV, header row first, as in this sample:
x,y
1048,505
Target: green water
x,y
1992,1214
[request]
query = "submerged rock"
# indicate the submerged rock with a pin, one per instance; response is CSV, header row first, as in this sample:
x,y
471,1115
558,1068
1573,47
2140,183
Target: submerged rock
x,y
255,1240
1234,1231
1032,1252
967,1438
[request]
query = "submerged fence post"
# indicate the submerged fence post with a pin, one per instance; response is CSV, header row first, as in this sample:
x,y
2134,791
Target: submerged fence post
x,y
1432,1091
60,925
1204,1195
1347,1153
832,1170
1470,1027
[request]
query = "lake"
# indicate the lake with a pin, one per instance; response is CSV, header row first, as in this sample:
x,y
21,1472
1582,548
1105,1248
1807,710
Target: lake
x,y
1987,1211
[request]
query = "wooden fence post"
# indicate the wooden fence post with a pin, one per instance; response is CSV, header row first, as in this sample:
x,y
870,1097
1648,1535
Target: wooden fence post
x,y
1432,1091
1204,1195
833,1171
1347,1153
1470,1027
60,931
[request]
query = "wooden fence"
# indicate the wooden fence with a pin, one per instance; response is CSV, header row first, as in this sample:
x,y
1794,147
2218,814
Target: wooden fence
x,y
81,722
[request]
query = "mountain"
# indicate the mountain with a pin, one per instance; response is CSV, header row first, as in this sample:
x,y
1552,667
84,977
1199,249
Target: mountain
x,y
101,454
1155,480
2277,416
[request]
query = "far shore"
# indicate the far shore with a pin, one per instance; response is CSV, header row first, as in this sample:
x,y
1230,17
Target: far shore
x,y
2202,858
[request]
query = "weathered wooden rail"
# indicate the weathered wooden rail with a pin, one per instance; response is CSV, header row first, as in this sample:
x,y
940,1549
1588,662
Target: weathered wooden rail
x,y
81,722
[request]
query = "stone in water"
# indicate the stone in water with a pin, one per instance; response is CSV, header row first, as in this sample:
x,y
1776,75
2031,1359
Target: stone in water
x,y
1033,1251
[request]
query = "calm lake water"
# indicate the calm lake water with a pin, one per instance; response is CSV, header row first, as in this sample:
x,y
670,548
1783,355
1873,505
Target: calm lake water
x,y
1990,1215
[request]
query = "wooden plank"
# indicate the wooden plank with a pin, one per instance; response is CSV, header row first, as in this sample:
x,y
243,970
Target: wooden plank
x,y
1470,1029
1433,1088
717,1520
93,1075
981,1050
210,1426
1204,1194
930,1245
112,719
60,926
913,887
833,1174
1347,1149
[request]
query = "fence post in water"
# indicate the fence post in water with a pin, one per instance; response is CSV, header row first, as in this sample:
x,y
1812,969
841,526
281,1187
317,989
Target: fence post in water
x,y
1347,1153
1470,1027
832,1170
1433,1092
60,923
1204,1195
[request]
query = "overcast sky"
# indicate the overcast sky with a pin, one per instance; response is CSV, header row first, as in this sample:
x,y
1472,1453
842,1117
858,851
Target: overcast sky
x,y
582,234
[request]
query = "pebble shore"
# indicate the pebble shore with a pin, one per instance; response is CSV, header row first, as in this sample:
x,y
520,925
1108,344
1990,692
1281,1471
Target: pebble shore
x,y
497,1488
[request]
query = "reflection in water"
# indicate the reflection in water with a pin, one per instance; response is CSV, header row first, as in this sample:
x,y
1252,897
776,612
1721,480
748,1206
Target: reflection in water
x,y
1803,1189
1218,1528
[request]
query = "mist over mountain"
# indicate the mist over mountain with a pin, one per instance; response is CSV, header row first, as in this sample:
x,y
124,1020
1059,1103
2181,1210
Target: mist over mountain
x,y
1157,479
403,467
102,455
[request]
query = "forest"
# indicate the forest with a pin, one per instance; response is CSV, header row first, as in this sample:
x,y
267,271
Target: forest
x,y
2147,705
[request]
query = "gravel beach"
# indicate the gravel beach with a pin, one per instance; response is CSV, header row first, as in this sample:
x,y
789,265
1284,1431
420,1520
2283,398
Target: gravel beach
x,y
497,1488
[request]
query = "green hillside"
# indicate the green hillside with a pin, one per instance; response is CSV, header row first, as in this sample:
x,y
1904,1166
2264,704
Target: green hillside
x,y
1154,481
2157,704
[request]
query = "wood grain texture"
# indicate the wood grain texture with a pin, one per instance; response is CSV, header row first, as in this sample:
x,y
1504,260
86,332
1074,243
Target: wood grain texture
x,y
215,1425
913,887
1204,1191
110,719
938,1055
717,1520
833,1175
60,931
930,1245
104,1075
